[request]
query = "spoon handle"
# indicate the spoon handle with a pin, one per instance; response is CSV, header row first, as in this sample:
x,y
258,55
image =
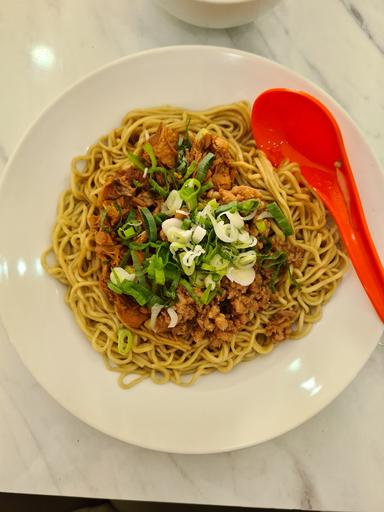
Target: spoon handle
x,y
346,209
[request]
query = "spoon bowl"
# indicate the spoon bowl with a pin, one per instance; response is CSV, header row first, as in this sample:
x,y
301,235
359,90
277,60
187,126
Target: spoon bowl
x,y
295,125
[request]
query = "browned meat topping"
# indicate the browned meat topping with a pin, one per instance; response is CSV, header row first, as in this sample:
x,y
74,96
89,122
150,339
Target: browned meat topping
x,y
164,145
239,193
280,325
218,321
234,305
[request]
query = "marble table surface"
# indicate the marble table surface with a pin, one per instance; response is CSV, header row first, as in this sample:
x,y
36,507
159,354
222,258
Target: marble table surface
x,y
335,461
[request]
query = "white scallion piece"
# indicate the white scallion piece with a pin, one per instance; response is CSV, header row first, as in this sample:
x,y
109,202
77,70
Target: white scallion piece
x,y
173,316
225,232
250,216
234,218
183,212
155,310
209,282
189,256
246,240
119,274
172,204
198,234
264,215
246,259
242,276
170,223
178,235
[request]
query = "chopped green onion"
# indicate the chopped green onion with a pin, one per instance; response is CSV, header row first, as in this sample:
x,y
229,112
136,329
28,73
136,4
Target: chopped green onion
x,y
154,299
150,152
228,252
124,259
187,285
124,341
103,216
206,186
136,161
189,192
267,244
232,206
140,293
155,269
208,295
217,264
136,246
186,224
261,226
183,164
271,260
120,212
162,191
114,288
160,217
198,279
172,272
274,262
159,276
180,142
137,183
280,218
248,205
245,259
131,216
172,203
161,170
190,170
150,224
203,166
138,268
127,233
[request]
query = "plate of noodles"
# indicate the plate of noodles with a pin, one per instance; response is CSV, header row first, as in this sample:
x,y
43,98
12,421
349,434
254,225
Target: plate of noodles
x,y
160,278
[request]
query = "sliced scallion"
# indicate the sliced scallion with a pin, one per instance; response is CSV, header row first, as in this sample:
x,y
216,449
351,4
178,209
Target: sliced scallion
x,y
190,170
126,233
136,161
232,206
261,226
203,166
189,192
138,268
188,287
150,224
124,341
281,220
162,191
151,153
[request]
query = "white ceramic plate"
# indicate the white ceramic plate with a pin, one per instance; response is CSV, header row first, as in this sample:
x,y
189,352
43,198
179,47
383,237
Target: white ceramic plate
x,y
258,400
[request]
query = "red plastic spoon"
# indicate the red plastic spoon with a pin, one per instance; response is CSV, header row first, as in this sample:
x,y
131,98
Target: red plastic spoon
x,y
297,126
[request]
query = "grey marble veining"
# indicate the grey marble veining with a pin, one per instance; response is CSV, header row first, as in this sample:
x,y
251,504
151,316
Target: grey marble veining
x,y
335,461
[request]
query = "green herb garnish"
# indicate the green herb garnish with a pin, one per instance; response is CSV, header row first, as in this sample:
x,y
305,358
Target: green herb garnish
x,y
280,218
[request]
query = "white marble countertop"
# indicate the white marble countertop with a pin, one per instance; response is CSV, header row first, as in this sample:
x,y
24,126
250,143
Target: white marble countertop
x,y
334,461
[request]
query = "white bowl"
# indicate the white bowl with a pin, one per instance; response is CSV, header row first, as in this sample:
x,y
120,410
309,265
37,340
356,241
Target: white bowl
x,y
217,13
258,400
